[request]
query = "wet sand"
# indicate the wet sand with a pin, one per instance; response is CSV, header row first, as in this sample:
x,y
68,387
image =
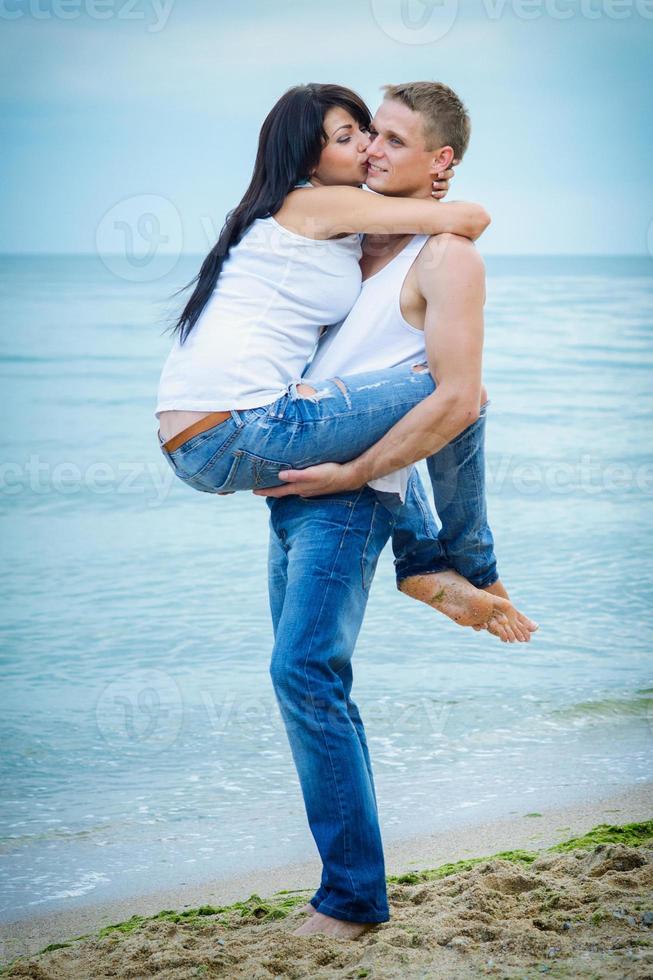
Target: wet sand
x,y
580,913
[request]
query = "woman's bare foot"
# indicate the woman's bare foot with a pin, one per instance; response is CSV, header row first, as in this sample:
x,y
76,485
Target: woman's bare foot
x,y
498,589
453,595
329,926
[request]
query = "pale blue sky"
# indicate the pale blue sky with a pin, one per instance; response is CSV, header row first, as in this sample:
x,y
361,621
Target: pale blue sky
x,y
165,98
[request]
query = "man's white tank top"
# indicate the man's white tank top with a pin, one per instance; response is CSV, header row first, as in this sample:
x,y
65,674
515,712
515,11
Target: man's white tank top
x,y
374,336
260,325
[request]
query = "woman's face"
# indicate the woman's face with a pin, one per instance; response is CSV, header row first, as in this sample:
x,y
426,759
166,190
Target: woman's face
x,y
344,157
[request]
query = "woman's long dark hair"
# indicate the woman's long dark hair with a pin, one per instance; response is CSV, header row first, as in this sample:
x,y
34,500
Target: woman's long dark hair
x,y
289,147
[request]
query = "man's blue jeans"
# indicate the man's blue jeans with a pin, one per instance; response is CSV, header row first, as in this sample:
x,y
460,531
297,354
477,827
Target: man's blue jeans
x,y
322,558
323,554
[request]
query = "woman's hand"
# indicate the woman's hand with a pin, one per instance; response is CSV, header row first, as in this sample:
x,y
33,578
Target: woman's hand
x,y
465,219
440,186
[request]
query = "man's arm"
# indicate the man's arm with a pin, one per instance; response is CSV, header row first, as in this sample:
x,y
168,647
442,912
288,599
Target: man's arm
x,y
451,277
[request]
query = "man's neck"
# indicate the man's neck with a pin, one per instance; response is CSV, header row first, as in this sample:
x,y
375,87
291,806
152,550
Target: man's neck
x,y
379,251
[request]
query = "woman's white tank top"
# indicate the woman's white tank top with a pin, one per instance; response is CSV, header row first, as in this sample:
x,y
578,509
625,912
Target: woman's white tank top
x,y
260,325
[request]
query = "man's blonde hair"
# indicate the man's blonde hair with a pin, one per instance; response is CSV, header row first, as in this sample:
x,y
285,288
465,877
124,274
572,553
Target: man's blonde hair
x,y
446,120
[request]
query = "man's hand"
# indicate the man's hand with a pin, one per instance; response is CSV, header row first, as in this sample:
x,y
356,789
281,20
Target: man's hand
x,y
440,186
313,481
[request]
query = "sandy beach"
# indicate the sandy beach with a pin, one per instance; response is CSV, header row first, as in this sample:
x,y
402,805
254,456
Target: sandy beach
x,y
585,910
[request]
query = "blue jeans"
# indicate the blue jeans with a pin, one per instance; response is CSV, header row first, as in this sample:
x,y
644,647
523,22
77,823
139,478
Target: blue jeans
x,y
322,558
249,449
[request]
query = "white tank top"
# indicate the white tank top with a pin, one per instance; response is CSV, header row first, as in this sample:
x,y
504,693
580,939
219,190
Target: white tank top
x,y
375,336
260,325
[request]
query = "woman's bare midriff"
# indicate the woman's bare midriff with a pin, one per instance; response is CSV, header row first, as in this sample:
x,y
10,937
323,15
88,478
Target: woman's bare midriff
x,y
171,423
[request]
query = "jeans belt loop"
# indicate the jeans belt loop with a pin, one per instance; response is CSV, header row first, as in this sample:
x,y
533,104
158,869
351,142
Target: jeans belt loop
x,y
279,407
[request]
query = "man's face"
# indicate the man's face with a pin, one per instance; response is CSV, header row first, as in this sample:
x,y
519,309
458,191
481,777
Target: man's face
x,y
399,163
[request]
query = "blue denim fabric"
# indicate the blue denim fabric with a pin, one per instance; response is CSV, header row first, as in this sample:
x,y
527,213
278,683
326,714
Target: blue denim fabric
x,y
249,449
464,542
322,558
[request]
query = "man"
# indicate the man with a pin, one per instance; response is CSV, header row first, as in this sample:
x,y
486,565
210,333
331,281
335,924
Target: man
x,y
328,526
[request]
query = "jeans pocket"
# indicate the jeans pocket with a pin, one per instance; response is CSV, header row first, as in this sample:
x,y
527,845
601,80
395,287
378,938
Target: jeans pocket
x,y
193,458
219,478
259,471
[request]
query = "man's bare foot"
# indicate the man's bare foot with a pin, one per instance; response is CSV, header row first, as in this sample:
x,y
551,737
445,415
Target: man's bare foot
x,y
329,926
306,908
453,595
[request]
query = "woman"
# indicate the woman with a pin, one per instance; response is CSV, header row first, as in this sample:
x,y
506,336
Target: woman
x,y
230,404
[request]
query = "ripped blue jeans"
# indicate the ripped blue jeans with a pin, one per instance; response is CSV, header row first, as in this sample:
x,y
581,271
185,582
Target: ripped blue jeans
x,y
337,423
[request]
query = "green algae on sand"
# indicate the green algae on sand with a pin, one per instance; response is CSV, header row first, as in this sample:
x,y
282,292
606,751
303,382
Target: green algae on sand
x,y
631,834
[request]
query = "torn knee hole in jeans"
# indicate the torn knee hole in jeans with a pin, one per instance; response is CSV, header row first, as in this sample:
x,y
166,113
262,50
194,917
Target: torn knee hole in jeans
x,y
419,368
343,388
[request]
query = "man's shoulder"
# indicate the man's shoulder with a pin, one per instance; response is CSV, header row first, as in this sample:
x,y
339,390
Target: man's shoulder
x,y
451,246
447,254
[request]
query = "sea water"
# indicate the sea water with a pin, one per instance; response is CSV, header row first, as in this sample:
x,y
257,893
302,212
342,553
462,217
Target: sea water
x,y
141,742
